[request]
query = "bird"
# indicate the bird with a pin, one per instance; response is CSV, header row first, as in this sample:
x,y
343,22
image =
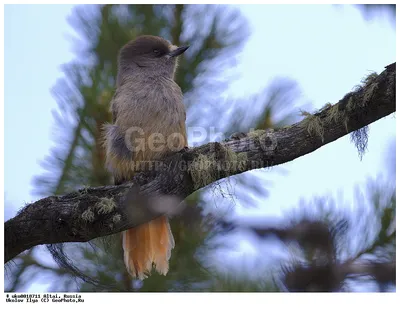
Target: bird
x,y
148,123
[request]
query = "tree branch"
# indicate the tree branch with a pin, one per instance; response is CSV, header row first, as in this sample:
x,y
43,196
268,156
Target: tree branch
x,y
95,212
322,271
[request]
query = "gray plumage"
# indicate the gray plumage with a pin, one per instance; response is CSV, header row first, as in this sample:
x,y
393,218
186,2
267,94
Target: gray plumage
x,y
148,123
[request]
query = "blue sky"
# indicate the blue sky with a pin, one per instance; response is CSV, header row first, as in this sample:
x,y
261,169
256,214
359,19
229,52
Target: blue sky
x,y
35,47
327,49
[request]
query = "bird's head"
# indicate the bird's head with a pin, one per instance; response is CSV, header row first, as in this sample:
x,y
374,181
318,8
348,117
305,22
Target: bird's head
x,y
150,55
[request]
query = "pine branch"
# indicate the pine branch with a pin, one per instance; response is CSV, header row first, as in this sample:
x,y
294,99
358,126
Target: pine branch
x,y
96,212
325,273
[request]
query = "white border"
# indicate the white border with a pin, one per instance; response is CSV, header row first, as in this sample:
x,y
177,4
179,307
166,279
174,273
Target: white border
x,y
231,300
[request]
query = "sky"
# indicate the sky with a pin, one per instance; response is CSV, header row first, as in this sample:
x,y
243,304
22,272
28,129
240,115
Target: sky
x,y
326,49
35,47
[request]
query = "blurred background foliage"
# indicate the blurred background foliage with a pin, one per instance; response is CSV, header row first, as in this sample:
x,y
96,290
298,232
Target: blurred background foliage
x,y
77,160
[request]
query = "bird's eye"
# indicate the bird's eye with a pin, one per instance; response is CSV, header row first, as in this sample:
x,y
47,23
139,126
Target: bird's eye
x,y
156,51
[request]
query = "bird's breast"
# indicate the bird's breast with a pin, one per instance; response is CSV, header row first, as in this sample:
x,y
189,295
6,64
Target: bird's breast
x,y
154,119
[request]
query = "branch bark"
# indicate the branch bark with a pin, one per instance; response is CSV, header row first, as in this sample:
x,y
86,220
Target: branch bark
x,y
95,212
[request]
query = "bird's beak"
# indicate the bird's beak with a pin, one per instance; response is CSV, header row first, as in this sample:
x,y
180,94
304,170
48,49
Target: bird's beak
x,y
178,51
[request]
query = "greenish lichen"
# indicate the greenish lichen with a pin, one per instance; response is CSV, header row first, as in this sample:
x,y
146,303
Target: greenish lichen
x,y
202,170
369,85
350,104
205,169
313,125
333,114
242,161
88,215
105,205
116,218
353,100
230,154
325,107
345,122
235,161
255,133
360,136
369,79
369,92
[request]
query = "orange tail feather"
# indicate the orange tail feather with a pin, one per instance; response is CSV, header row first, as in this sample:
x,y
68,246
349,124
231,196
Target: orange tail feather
x,y
146,244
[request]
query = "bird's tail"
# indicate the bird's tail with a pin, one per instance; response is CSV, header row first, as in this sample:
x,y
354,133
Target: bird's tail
x,y
146,244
